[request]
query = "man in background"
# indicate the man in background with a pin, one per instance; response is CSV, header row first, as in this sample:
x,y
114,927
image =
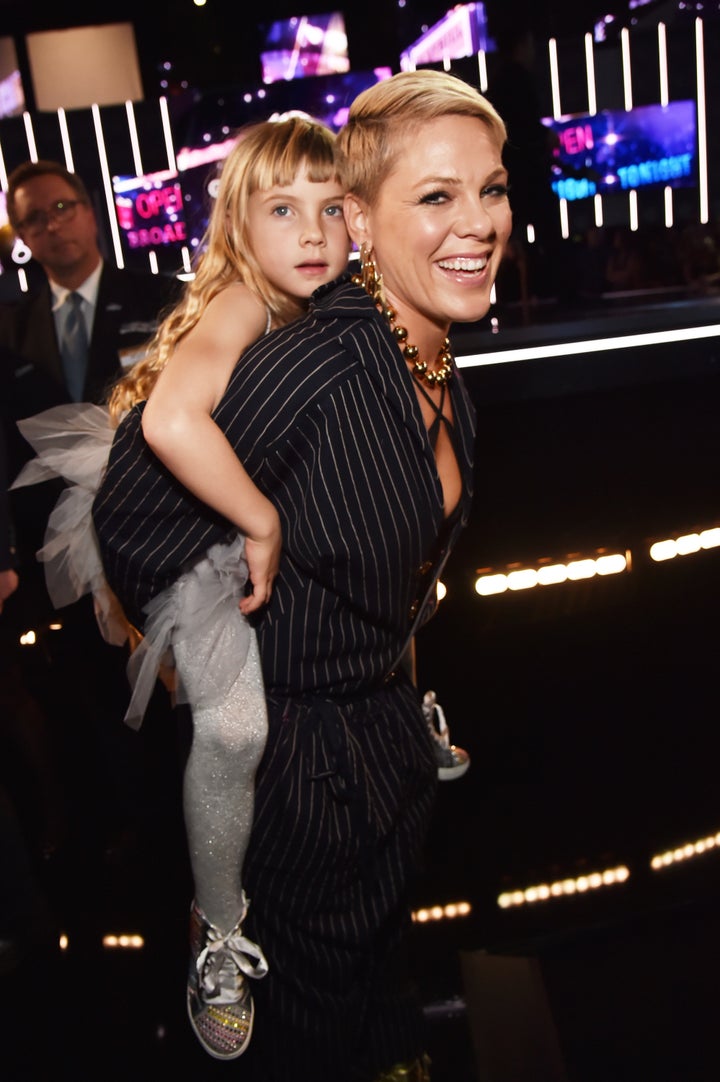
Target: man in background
x,y
69,341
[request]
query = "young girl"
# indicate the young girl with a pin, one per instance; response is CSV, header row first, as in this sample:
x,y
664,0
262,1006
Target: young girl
x,y
276,233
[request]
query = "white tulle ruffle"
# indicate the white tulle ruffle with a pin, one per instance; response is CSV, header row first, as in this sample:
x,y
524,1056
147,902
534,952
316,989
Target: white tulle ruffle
x,y
73,442
200,607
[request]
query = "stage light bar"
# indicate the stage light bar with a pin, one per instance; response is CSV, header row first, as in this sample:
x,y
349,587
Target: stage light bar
x,y
123,942
590,69
167,132
134,140
65,138
627,67
30,136
451,911
554,78
107,184
669,214
564,888
663,64
482,71
551,574
685,545
591,345
701,123
685,852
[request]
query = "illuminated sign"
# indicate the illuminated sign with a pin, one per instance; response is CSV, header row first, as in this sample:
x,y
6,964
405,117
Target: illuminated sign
x,y
150,212
622,150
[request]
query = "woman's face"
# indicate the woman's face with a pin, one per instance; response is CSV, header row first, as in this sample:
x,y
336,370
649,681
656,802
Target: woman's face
x,y
439,225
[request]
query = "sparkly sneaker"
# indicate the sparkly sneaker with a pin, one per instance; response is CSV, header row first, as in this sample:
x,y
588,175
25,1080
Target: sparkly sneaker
x,y
452,761
219,1003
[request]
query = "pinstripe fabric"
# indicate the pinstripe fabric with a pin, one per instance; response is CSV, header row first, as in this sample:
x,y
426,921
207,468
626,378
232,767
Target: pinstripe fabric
x,y
325,417
342,805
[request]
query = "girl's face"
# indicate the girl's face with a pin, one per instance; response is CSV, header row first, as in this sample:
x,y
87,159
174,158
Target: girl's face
x,y
298,234
439,226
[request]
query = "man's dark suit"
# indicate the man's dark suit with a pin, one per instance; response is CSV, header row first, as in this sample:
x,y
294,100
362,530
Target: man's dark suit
x,y
79,679
31,375
127,309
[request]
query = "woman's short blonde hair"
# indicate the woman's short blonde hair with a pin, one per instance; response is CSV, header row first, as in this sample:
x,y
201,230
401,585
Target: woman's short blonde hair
x,y
368,143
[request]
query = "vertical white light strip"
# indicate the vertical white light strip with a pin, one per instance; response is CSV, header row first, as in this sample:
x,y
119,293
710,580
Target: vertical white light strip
x,y
102,155
554,78
187,265
446,63
134,141
65,137
30,136
530,233
3,172
564,220
22,279
668,194
590,68
627,72
633,208
701,122
663,64
172,164
598,204
482,70
153,261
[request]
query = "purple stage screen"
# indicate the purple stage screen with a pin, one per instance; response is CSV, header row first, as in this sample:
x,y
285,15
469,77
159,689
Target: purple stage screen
x,y
615,151
303,46
461,32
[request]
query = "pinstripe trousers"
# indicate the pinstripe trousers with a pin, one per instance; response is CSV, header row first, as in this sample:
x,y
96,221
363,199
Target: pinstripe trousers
x,y
343,799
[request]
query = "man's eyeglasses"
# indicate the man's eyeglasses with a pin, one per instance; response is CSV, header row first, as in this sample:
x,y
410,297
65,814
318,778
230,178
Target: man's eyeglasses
x,y
38,220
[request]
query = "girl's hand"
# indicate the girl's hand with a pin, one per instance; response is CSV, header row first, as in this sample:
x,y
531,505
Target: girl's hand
x,y
263,560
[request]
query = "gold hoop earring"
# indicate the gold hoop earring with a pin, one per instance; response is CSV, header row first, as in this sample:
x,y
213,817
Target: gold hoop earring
x,y
369,278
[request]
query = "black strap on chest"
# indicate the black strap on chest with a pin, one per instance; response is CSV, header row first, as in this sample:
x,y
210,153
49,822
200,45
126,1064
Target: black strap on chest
x,y
439,418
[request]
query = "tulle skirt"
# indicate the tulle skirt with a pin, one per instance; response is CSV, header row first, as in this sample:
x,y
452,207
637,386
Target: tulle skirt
x,y
201,607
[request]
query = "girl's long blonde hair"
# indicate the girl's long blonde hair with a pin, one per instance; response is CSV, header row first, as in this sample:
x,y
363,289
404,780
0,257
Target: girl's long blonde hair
x,y
266,154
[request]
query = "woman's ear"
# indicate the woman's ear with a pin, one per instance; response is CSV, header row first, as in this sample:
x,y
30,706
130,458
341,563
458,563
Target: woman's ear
x,y
357,220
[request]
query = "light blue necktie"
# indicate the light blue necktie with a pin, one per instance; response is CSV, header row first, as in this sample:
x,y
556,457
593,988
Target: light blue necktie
x,y
74,347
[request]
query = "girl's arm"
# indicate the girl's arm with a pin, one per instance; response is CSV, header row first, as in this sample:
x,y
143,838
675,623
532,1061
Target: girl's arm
x,y
178,427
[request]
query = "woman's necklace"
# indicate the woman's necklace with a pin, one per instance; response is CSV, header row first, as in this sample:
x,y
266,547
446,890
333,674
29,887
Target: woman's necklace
x,y
434,377
371,282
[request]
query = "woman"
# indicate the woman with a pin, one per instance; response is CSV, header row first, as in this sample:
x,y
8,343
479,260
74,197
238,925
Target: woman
x,y
354,422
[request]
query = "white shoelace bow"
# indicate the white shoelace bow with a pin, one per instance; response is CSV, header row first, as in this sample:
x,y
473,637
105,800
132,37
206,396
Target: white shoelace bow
x,y
221,960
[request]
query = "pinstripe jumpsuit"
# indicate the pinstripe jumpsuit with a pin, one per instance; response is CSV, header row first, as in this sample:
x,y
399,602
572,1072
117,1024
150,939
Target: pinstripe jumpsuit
x,y
324,415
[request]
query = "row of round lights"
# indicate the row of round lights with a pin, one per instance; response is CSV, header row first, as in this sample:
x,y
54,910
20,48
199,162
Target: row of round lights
x,y
604,563
543,892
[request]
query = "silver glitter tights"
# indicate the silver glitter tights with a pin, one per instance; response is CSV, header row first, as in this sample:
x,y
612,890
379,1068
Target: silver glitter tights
x,y
218,787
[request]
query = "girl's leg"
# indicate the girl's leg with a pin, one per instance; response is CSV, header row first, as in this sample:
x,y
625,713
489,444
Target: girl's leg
x,y
218,798
227,745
